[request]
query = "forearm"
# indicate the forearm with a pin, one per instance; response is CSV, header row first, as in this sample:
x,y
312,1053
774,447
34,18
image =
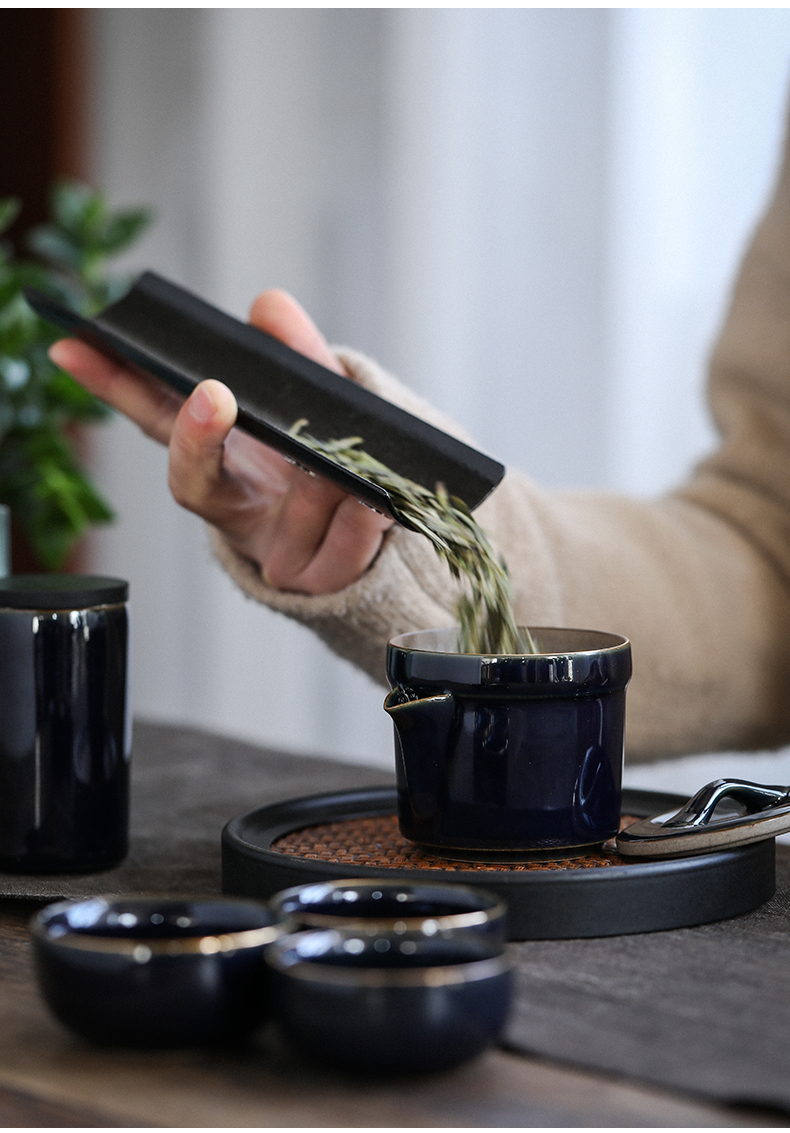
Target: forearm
x,y
707,612
708,616
699,580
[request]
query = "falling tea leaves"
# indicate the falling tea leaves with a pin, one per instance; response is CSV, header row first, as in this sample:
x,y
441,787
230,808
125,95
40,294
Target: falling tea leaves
x,y
485,608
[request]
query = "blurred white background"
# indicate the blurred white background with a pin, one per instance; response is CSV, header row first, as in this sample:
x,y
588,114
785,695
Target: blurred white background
x,y
533,216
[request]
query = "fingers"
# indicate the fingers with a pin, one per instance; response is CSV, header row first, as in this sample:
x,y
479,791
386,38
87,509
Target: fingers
x,y
154,406
197,476
299,524
306,534
280,315
323,539
350,545
148,403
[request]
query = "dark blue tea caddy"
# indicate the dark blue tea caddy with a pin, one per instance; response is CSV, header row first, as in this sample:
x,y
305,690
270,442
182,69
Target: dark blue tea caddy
x,y
65,737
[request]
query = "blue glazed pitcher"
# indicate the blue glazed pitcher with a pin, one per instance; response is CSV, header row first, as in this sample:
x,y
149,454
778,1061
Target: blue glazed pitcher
x,y
508,757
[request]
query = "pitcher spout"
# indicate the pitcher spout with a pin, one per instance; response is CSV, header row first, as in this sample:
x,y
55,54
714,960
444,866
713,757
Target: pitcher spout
x,y
407,709
423,734
421,723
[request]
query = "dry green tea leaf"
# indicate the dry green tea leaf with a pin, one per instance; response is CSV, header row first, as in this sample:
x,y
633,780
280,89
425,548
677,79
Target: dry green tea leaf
x,y
485,614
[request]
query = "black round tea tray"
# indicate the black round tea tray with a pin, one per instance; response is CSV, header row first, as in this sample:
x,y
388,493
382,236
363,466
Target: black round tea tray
x,y
355,834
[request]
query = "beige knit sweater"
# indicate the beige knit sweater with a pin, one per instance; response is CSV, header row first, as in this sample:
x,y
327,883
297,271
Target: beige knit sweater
x,y
699,580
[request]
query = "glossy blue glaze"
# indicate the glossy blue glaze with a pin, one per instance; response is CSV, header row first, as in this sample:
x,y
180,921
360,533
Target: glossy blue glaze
x,y
376,905
64,730
389,1003
504,754
148,972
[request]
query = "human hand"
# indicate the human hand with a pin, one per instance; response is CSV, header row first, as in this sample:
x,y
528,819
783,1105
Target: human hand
x,y
304,532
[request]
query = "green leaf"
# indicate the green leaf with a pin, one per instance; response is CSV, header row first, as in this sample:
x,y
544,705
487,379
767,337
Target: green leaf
x,y
58,247
51,498
76,208
116,287
19,326
9,211
123,229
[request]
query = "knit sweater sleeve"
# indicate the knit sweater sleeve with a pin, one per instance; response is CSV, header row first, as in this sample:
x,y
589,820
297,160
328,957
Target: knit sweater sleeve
x,y
699,579
407,587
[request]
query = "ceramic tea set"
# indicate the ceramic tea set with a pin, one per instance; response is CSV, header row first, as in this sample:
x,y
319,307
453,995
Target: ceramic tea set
x,y
512,758
500,758
495,755
377,973
364,975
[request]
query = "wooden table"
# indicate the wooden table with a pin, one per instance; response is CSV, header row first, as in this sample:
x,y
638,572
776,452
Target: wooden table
x,y
50,1078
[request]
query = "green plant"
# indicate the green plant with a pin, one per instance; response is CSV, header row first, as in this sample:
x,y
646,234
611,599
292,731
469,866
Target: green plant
x,y
51,497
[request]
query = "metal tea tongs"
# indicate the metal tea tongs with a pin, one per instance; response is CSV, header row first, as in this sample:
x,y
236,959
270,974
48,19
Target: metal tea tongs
x,y
724,814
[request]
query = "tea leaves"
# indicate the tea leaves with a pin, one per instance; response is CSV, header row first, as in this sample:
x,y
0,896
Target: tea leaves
x,y
486,619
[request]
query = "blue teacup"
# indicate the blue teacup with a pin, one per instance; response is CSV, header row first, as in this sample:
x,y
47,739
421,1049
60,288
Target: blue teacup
x,y
156,971
509,756
375,905
390,1002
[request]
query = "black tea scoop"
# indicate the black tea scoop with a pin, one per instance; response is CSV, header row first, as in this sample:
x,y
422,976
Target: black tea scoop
x,y
175,336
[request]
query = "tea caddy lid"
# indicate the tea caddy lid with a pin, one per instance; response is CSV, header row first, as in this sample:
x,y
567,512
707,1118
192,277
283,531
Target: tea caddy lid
x,y
61,591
